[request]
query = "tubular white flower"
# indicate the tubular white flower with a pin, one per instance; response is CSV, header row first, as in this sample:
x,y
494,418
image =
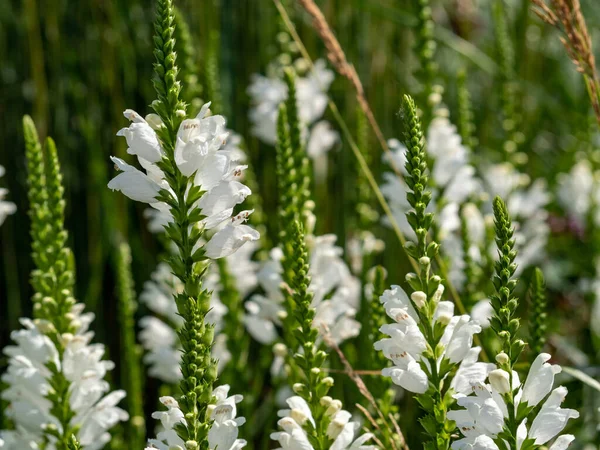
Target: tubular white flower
x,y
406,343
224,429
6,208
341,429
484,413
28,380
141,138
540,380
200,151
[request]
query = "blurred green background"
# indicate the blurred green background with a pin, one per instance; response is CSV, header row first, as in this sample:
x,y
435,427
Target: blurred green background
x,y
76,65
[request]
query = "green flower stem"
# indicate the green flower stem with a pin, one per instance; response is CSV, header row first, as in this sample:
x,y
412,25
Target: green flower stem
x,y
537,296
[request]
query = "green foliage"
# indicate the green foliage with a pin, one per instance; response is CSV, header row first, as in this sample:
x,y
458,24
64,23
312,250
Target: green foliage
x,y
184,47
466,125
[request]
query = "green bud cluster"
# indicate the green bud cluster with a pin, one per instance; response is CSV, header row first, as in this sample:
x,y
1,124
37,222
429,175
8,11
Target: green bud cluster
x,y
168,105
53,277
504,323
472,271
131,372
417,181
425,48
314,385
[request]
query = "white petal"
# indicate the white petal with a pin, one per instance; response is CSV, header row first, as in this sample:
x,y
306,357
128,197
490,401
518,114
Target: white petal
x,y
227,240
539,380
133,183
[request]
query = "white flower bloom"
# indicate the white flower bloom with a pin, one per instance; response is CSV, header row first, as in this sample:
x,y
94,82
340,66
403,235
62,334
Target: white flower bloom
x,y
224,430
6,208
406,343
484,413
267,93
158,335
200,151
141,138
28,381
341,429
336,294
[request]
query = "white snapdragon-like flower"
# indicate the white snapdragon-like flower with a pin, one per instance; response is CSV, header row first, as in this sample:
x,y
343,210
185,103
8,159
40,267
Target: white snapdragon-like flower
x,y
485,412
575,191
341,430
336,294
267,93
159,332
224,429
406,343
454,182
199,153
28,380
6,208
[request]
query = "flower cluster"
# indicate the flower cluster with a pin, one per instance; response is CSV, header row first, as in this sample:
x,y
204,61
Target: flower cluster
x,y
341,430
483,419
335,290
31,364
407,345
6,208
224,428
267,93
199,153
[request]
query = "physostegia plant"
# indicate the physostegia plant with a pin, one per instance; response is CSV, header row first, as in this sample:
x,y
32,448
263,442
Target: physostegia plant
x,y
190,178
55,376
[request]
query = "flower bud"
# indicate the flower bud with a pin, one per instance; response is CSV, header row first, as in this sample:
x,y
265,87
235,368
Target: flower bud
x,y
298,387
500,381
420,298
327,381
424,261
280,350
334,407
502,358
326,400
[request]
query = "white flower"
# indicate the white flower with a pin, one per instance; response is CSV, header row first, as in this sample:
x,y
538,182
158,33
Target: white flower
x,y
224,429
484,413
6,208
406,342
200,151
575,191
336,294
341,430
267,93
141,138
28,380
